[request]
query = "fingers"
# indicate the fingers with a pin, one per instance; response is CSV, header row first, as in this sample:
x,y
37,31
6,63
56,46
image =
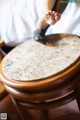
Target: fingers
x,y
52,17
48,14
57,16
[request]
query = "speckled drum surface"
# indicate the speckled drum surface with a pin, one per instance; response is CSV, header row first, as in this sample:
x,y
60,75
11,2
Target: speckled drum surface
x,y
32,60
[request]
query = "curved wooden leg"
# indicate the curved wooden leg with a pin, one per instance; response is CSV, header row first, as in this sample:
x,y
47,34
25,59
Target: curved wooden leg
x,y
44,115
18,108
78,97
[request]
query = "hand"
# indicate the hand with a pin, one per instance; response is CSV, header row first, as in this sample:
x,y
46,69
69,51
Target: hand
x,y
52,17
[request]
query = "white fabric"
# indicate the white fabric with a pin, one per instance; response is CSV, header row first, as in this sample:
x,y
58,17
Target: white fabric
x,y
69,22
18,20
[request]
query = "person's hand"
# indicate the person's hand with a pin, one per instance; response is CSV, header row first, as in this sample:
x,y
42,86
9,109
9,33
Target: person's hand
x,y
52,17
49,18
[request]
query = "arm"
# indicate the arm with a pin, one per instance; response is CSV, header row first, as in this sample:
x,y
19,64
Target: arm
x,y
49,4
47,18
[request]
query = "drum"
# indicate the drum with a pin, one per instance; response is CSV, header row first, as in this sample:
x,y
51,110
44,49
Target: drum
x,y
43,76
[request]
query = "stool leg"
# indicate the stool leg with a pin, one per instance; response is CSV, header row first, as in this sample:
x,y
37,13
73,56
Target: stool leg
x,y
18,109
44,115
78,97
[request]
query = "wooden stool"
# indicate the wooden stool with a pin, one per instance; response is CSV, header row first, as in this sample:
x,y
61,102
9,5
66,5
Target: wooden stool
x,y
3,92
51,90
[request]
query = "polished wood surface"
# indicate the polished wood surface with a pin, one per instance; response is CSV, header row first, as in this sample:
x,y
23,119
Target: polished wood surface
x,y
3,92
1,43
67,112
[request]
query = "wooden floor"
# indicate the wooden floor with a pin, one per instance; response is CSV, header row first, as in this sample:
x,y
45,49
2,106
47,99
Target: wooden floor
x,y
67,112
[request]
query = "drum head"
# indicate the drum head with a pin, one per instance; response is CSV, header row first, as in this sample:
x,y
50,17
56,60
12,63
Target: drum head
x,y
33,62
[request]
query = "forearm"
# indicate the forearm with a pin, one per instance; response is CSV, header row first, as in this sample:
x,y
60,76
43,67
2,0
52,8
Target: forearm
x,y
48,18
49,4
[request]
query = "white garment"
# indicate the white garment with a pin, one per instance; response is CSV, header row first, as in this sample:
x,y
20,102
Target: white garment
x,y
18,20
69,22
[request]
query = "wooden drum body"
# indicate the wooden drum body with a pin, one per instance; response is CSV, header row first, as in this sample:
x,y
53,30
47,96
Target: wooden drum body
x,y
44,76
